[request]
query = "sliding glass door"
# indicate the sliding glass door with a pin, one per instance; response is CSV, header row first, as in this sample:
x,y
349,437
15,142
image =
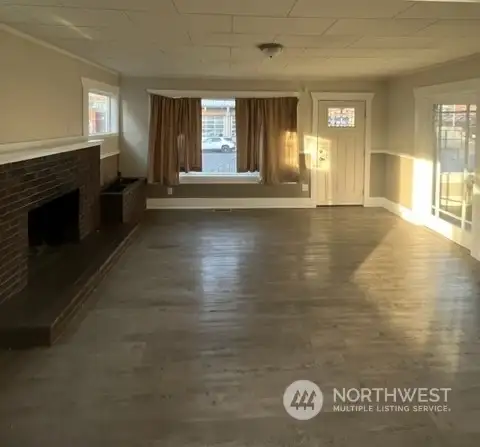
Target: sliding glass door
x,y
454,167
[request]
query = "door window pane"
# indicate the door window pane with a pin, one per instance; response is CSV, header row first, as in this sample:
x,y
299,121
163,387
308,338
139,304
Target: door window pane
x,y
341,117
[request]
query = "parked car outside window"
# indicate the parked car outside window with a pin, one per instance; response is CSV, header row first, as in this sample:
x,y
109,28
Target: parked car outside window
x,y
218,144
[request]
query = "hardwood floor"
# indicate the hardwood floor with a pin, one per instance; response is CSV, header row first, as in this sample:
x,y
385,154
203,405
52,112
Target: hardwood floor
x,y
193,337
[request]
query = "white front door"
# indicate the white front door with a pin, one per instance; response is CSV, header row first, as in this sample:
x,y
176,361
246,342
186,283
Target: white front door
x,y
340,163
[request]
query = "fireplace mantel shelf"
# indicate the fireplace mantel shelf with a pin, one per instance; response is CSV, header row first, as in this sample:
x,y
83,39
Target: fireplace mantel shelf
x,y
13,156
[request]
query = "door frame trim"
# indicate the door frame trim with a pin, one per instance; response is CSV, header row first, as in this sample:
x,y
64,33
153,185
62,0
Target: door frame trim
x,y
344,96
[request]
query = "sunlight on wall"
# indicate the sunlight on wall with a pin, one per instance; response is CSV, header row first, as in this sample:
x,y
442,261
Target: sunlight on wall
x,y
320,166
422,188
291,151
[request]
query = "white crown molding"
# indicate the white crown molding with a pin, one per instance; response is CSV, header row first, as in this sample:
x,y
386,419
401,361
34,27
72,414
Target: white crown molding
x,y
50,46
213,94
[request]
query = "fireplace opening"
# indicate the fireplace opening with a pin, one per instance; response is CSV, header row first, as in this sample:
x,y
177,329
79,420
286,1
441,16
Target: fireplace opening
x,y
54,223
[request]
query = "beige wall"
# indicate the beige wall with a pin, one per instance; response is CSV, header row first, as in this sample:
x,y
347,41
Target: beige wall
x,y
377,175
134,143
390,177
398,180
41,91
108,169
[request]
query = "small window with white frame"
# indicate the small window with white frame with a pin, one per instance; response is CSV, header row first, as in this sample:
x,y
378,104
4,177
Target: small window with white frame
x,y
100,109
99,114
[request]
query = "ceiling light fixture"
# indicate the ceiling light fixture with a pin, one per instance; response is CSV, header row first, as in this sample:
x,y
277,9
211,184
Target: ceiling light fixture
x,y
270,49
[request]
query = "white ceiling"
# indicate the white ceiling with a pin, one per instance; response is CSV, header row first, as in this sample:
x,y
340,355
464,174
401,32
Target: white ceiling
x,y
323,38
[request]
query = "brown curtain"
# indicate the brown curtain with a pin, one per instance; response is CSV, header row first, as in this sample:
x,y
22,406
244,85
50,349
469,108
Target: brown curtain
x,y
281,155
248,122
175,138
190,134
267,139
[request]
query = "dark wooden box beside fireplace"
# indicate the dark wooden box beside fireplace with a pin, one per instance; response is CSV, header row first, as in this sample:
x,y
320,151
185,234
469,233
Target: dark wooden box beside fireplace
x,y
123,201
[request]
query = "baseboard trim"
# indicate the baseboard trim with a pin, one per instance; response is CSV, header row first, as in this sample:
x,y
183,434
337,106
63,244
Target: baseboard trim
x,y
395,208
227,203
402,211
374,202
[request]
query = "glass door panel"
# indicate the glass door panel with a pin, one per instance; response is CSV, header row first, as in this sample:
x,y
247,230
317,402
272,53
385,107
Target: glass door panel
x,y
470,167
455,128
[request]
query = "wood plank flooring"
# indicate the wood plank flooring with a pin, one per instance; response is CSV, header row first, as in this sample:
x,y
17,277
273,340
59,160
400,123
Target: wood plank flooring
x,y
195,334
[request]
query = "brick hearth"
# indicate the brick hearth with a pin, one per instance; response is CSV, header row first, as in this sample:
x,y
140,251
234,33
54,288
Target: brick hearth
x,y
27,184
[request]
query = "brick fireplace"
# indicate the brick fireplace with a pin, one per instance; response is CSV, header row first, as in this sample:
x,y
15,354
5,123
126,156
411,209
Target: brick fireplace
x,y
45,201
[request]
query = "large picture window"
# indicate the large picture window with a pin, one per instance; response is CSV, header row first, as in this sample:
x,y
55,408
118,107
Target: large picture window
x,y
218,136
205,139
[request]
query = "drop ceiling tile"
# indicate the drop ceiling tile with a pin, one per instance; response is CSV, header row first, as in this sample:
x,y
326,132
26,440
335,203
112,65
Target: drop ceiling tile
x,y
357,62
453,29
16,14
276,8
156,28
366,53
316,41
165,6
396,42
196,23
231,39
442,10
299,26
96,50
199,53
378,27
254,54
81,47
59,32
361,9
63,16
263,66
